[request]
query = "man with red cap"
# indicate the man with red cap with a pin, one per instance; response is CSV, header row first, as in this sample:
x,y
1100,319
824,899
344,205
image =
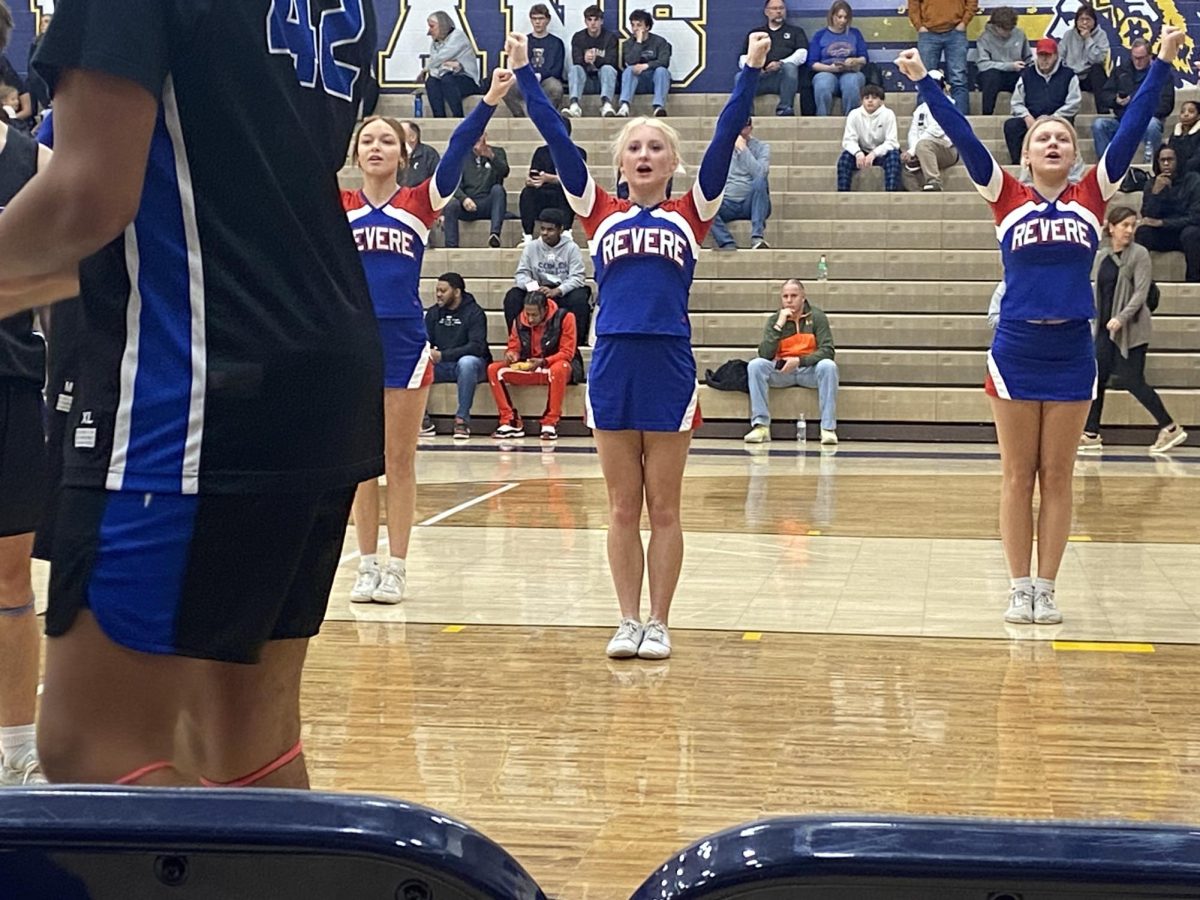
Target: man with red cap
x,y
1048,88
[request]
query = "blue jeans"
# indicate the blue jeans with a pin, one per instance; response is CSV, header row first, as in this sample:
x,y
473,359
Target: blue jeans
x,y
785,83
823,376
953,44
1103,131
657,80
493,206
755,206
827,85
578,82
468,371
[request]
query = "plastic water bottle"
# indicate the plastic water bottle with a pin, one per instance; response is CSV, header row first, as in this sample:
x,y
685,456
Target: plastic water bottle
x,y
418,105
822,269
801,430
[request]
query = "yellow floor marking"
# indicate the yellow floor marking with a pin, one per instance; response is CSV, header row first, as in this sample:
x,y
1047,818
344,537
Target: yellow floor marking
x,y
1103,647
453,629
814,533
752,636
1080,538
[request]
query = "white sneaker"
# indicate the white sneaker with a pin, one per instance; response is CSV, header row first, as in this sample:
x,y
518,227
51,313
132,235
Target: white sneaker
x,y
607,111
391,586
574,111
623,112
365,584
549,433
27,771
1045,611
828,436
625,643
656,641
1169,437
1020,607
759,434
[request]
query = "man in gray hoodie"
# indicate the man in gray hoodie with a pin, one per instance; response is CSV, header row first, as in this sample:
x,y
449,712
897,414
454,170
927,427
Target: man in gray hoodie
x,y
1003,54
552,265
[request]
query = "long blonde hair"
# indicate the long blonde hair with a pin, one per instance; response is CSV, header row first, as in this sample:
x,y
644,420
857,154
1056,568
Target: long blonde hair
x,y
670,135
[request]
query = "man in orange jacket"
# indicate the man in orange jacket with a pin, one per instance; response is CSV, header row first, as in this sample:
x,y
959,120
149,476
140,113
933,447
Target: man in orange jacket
x,y
542,349
942,31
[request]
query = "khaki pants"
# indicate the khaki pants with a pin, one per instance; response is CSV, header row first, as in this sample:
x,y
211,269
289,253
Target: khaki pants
x,y
933,157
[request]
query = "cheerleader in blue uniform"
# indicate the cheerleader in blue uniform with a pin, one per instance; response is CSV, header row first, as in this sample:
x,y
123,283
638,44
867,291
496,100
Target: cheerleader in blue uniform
x,y
642,392
1041,374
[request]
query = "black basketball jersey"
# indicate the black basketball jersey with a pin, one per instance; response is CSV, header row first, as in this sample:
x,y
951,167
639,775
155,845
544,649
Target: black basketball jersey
x,y
231,345
22,351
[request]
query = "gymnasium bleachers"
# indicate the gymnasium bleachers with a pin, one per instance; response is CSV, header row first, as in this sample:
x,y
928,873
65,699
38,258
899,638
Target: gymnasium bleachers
x,y
910,276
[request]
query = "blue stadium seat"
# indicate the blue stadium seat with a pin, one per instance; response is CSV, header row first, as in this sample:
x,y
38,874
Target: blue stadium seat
x,y
868,858
148,843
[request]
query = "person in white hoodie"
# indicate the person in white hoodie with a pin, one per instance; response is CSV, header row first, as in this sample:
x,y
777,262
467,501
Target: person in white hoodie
x,y
930,151
553,266
870,139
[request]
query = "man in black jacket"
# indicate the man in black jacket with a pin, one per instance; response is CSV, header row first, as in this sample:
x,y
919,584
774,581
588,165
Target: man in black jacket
x,y
785,73
1122,84
422,159
594,64
457,329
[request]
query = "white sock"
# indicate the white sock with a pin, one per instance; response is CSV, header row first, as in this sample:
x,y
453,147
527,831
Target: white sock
x,y
1043,585
395,562
368,561
1022,584
18,742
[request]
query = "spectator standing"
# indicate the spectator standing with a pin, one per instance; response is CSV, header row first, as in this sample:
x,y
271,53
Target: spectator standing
x,y
647,59
594,61
870,139
796,351
1171,211
837,55
547,58
942,35
1003,54
543,190
785,73
1119,90
747,192
480,194
452,69
552,265
1047,88
930,151
1185,138
541,349
1084,50
457,329
422,158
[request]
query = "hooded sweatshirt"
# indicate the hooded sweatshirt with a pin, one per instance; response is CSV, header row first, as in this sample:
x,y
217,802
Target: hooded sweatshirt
x,y
1000,53
559,266
1079,53
1047,94
1186,144
567,344
458,332
871,132
924,127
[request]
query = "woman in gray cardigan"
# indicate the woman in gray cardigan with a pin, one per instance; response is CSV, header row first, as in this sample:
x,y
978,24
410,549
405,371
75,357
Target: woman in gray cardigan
x,y
1123,324
452,70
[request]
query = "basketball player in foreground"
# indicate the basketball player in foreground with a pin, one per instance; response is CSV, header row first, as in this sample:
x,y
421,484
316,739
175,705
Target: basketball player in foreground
x,y
229,399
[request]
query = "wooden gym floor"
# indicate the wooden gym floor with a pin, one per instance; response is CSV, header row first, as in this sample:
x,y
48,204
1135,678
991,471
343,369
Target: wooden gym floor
x,y
838,648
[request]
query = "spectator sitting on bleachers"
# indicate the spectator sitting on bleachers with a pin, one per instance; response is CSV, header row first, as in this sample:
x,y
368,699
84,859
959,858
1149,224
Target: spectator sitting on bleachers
x,y
796,351
1003,53
785,72
1171,211
552,265
480,194
870,139
930,151
1047,88
837,55
1084,50
1122,84
941,27
547,58
747,192
542,349
457,329
543,191
647,64
422,159
451,70
594,61
1185,138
